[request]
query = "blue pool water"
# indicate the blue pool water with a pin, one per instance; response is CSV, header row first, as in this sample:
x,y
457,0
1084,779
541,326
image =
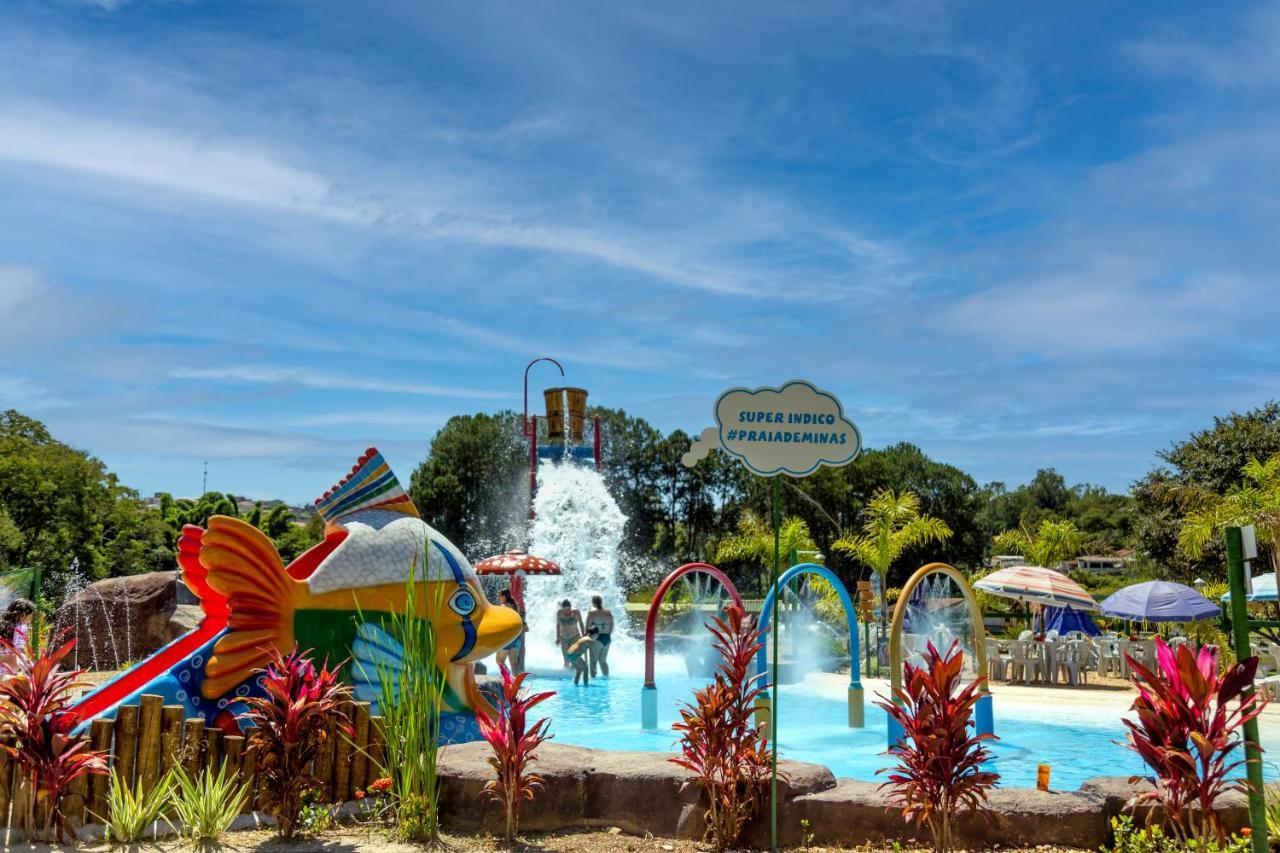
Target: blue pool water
x,y
1077,742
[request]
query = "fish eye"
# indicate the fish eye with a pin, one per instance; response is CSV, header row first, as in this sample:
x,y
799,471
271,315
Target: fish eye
x,y
462,602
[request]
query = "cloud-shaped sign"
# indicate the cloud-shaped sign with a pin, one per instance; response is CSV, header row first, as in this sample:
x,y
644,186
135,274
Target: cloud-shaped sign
x,y
793,429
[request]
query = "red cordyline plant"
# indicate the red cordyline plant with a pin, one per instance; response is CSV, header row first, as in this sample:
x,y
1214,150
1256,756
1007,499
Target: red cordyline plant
x,y
514,744
293,723
719,741
35,710
939,775
1189,717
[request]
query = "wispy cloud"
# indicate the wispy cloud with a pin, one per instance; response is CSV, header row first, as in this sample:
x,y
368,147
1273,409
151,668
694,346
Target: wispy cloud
x,y
264,375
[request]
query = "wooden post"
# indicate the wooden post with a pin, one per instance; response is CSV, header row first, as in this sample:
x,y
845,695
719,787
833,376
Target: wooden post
x,y
149,719
377,749
360,751
73,806
233,747
100,732
193,746
21,799
250,775
171,749
126,743
6,781
342,759
324,768
212,747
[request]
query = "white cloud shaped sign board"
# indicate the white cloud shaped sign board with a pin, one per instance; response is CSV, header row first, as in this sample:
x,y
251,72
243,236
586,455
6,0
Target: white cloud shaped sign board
x,y
793,429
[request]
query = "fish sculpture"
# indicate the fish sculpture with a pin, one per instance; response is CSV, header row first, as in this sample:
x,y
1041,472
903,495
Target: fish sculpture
x,y
333,600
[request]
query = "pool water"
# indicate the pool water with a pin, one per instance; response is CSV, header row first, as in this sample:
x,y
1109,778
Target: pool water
x,y
1077,742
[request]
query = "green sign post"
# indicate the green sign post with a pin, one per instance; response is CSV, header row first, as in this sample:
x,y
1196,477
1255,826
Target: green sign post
x,y
1240,625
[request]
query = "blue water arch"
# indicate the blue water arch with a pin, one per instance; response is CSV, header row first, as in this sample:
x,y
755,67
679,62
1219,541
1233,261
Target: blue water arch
x,y
857,712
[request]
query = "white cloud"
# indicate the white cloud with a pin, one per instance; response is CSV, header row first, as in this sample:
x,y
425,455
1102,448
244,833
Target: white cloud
x,y
1251,59
255,374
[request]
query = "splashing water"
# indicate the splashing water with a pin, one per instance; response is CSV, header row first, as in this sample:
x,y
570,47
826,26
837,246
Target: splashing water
x,y
577,525
938,612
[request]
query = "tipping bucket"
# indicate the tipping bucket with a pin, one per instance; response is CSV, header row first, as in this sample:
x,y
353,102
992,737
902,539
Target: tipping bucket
x,y
557,415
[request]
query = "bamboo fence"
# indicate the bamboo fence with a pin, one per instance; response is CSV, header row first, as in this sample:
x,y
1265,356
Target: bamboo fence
x,y
145,740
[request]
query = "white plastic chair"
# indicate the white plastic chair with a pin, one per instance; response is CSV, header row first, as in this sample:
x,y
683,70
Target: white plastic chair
x,y
997,664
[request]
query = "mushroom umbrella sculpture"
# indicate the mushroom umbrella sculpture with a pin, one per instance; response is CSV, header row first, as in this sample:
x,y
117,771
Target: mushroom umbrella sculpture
x,y
517,564
1037,585
1159,601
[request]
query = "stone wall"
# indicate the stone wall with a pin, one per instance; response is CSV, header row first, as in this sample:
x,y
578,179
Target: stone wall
x,y
642,792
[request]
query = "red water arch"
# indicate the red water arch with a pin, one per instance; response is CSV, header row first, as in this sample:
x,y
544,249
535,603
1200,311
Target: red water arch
x,y
651,623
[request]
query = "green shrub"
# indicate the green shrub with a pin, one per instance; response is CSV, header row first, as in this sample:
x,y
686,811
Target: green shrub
x,y
207,804
132,809
1133,839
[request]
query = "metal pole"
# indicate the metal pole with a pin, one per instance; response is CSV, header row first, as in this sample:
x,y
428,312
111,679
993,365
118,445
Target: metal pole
x,y
525,423
1240,635
773,675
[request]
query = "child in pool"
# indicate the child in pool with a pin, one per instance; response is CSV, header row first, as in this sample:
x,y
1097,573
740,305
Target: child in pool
x,y
577,651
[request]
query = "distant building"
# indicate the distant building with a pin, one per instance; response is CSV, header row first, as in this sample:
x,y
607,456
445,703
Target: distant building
x,y
1103,565
1004,561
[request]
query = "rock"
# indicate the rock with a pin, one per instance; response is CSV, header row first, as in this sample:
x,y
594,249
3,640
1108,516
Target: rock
x,y
465,770
643,792
118,620
186,617
1114,792
851,813
1030,817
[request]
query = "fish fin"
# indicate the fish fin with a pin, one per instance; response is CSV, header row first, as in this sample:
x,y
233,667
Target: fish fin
x,y
370,485
374,654
195,575
243,566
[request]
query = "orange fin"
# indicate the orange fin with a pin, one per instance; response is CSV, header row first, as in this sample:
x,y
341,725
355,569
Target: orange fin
x,y
243,566
195,575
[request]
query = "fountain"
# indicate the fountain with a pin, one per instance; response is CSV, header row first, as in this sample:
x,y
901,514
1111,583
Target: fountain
x,y
699,590
857,710
937,605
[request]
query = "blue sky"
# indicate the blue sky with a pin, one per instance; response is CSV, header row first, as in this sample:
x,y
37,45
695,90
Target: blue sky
x,y
270,234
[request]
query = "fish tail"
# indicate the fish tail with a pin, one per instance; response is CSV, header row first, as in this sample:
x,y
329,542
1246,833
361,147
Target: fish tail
x,y
243,566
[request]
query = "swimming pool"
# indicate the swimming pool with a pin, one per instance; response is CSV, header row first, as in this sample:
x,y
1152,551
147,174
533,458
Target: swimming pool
x,y
1078,742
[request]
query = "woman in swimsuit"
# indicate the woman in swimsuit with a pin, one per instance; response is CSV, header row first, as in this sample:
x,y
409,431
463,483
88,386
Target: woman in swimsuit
x,y
514,650
569,628
600,618
577,653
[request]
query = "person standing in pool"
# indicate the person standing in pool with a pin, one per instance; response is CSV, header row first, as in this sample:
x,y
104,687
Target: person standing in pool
x,y
600,618
514,650
577,653
569,628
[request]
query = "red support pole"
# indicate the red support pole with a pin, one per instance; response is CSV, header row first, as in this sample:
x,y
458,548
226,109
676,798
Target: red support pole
x,y
596,441
651,623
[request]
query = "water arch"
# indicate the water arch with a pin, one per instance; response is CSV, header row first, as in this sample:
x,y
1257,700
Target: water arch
x,y
856,709
983,713
649,694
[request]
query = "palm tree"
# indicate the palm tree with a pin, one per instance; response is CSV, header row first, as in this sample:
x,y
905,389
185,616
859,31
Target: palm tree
x,y
1049,545
753,543
892,524
1255,500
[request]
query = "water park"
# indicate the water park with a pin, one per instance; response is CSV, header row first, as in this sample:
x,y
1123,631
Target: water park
x,y
385,678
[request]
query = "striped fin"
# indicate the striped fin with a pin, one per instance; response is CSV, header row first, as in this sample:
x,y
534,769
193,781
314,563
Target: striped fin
x,y
370,485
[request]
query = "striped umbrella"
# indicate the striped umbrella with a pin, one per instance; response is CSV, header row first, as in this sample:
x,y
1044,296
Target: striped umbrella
x,y
1038,586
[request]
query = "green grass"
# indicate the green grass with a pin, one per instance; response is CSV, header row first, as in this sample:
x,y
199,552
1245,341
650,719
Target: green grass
x,y
132,809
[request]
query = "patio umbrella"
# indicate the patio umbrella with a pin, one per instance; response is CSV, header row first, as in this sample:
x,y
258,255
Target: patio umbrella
x,y
1037,585
1159,601
1064,620
1264,588
517,564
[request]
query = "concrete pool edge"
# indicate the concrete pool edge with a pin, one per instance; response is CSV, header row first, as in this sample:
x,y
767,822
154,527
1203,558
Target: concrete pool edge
x,y
642,792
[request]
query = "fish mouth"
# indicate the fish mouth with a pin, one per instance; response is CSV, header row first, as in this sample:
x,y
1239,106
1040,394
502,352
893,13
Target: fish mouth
x,y
497,626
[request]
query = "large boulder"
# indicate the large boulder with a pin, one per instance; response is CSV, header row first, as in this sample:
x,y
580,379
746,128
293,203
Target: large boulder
x,y
118,620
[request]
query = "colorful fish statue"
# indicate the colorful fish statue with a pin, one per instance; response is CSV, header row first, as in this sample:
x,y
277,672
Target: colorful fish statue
x,y
333,600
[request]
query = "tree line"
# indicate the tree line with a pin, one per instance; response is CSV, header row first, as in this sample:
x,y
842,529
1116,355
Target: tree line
x,y
59,504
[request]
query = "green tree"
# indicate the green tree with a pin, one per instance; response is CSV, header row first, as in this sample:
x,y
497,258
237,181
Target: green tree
x,y
752,545
473,485
1255,500
1048,545
891,524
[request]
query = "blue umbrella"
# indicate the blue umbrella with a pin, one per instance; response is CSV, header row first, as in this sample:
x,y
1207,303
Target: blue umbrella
x,y
1159,601
1264,588
1066,619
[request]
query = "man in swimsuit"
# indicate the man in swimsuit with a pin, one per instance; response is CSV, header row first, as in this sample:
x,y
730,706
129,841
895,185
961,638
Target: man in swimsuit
x,y
577,653
600,618
569,628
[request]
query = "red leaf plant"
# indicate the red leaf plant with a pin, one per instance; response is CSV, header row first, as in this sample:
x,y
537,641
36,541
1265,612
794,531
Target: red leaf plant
x,y
292,724
939,775
1189,717
35,711
719,741
514,744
